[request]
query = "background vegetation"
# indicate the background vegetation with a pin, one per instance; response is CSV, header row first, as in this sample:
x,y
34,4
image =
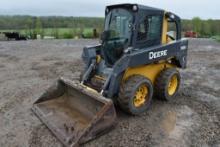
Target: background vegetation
x,y
204,28
76,27
58,27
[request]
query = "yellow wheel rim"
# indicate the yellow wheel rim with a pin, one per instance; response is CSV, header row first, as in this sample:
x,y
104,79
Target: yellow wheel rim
x,y
141,96
172,87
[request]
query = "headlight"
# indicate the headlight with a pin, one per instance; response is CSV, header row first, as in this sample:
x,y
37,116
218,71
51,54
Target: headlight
x,y
135,8
172,16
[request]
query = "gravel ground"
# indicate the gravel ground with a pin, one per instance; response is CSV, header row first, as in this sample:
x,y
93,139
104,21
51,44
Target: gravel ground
x,y
27,68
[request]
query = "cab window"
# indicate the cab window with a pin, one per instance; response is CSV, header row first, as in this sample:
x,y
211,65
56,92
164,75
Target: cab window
x,y
149,28
171,32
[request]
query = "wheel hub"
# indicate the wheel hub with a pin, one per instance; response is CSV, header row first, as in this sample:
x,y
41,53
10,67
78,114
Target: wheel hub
x,y
172,86
140,96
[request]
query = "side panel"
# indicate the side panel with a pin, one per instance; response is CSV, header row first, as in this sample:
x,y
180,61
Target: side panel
x,y
176,50
150,71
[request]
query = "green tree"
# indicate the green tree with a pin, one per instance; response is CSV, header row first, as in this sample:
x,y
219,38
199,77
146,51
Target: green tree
x,y
28,27
197,24
38,27
55,32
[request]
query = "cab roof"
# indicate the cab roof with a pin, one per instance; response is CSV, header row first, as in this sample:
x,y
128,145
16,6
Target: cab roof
x,y
130,6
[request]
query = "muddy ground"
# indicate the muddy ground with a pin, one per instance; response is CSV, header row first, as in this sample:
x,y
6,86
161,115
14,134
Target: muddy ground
x,y
27,68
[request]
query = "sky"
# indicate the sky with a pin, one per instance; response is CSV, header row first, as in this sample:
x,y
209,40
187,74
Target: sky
x,y
186,9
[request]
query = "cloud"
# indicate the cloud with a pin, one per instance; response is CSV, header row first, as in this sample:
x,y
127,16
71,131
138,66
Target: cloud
x,y
186,9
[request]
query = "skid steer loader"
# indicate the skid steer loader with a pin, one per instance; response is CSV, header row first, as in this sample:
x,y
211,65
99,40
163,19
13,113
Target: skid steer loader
x,y
140,52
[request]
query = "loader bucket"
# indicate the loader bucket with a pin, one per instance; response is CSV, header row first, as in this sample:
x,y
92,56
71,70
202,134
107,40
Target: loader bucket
x,y
73,113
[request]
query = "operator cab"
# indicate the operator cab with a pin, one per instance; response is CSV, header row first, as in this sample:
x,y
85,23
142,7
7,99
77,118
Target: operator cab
x,y
130,27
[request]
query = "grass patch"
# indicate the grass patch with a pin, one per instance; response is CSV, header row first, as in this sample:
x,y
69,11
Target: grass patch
x,y
59,33
216,38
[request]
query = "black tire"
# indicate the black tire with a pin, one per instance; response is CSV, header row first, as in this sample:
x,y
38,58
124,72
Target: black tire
x,y
128,92
163,82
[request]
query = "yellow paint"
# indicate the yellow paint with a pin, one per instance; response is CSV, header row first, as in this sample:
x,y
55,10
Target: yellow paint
x,y
172,87
89,88
150,71
99,77
98,58
141,96
165,29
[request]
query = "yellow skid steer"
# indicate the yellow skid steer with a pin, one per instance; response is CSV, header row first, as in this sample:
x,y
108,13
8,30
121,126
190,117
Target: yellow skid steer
x,y
139,57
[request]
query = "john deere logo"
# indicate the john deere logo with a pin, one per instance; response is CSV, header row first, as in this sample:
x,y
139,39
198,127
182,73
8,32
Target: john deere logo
x,y
154,55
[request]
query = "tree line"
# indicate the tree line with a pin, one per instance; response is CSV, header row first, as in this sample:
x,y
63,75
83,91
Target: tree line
x,y
32,25
23,22
204,28
57,26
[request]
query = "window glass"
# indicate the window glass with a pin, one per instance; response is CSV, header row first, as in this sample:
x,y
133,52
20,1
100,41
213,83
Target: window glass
x,y
154,27
149,28
119,22
171,32
142,30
